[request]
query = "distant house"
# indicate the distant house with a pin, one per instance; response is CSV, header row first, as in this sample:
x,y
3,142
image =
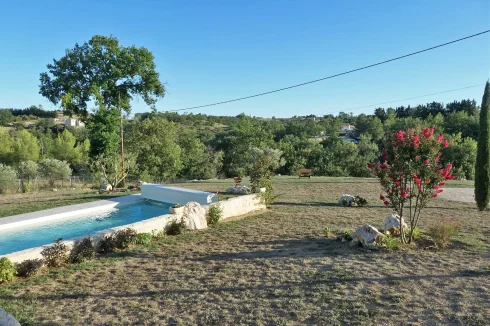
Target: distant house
x,y
74,122
346,128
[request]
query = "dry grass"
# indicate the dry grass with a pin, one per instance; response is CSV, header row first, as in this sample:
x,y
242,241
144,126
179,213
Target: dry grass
x,y
275,268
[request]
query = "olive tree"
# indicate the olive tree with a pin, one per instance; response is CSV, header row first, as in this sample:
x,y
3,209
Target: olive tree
x,y
54,170
8,178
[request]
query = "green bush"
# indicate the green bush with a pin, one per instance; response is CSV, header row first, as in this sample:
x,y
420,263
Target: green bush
x,y
107,244
8,178
443,231
176,227
327,231
359,201
124,238
143,238
7,270
56,255
30,267
215,214
82,251
54,170
158,235
390,242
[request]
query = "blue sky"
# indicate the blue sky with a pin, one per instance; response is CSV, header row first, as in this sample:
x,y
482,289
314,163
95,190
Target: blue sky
x,y
209,51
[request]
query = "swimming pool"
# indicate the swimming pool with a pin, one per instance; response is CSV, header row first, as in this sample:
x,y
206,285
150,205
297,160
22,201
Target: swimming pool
x,y
35,235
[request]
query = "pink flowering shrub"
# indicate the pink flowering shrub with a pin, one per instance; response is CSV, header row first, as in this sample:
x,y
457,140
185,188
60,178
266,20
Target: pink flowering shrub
x,y
411,173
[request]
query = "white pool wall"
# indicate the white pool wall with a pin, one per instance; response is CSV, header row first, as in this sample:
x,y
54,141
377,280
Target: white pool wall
x,y
175,195
232,207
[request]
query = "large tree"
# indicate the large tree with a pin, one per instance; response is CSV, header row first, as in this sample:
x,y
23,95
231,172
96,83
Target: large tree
x,y
482,169
101,71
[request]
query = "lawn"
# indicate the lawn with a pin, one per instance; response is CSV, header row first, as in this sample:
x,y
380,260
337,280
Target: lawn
x,y
275,268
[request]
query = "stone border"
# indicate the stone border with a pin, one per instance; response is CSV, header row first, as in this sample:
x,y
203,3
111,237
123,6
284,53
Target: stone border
x,y
232,207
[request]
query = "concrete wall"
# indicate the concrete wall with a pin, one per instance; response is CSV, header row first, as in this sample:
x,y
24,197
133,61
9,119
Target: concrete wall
x,y
232,207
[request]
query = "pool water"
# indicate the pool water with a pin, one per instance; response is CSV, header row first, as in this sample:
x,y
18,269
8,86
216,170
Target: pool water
x,y
35,235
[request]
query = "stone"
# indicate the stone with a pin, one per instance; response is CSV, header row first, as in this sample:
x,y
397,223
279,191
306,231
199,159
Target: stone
x,y
7,320
392,224
194,216
105,187
138,185
348,198
238,190
367,235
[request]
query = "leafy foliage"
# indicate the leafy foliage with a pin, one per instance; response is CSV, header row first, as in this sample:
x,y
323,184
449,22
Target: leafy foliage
x,y
443,231
360,201
412,174
7,270
8,178
143,238
482,175
82,251
107,244
54,170
124,238
176,227
55,255
29,267
215,214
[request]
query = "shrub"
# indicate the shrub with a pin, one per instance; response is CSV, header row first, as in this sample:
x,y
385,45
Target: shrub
x,y
8,178
345,203
30,267
215,214
107,244
176,227
390,242
482,167
124,238
56,255
158,235
327,231
443,231
359,201
7,270
53,170
28,170
82,251
143,238
415,232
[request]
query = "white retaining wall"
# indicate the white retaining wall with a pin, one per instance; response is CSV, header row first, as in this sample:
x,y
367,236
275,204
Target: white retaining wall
x,y
232,207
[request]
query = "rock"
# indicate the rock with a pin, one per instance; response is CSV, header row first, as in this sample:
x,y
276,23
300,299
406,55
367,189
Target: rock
x,y
367,235
138,185
194,216
348,198
7,320
238,190
105,187
392,224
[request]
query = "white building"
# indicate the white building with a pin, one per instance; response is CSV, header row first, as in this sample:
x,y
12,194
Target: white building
x,y
73,122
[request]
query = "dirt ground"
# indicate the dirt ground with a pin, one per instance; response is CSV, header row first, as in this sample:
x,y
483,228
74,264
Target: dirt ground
x,y
275,268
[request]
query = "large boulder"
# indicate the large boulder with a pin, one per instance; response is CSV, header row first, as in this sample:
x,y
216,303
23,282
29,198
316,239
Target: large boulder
x,y
367,235
348,199
238,190
194,216
7,320
105,188
392,224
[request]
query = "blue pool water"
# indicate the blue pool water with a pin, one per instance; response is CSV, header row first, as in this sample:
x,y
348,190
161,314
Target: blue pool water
x,y
36,235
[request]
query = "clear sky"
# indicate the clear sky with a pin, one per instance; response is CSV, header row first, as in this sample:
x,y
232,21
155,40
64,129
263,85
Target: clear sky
x,y
209,51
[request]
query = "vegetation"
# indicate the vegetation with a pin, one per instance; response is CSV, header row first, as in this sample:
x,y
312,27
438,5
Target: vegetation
x,y
215,214
143,238
54,170
8,178
482,177
29,268
176,227
443,231
7,270
56,255
82,251
411,173
124,238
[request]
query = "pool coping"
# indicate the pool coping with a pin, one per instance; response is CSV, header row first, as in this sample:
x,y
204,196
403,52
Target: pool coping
x,y
65,211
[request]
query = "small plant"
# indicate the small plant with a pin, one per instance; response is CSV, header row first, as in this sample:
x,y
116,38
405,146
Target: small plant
x,y
176,206
7,270
416,233
143,238
443,231
56,255
359,201
176,227
82,251
345,203
107,244
30,267
125,238
158,235
215,214
390,242
327,231
345,236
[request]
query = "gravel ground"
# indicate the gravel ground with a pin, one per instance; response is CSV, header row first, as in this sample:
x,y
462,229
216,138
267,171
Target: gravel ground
x,y
459,194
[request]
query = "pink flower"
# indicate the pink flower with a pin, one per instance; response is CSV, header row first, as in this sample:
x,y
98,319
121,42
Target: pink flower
x,y
428,132
416,141
426,162
435,187
440,138
399,137
381,197
404,195
427,180
383,166
384,154
417,157
446,143
387,203
434,195
397,182
443,183
439,191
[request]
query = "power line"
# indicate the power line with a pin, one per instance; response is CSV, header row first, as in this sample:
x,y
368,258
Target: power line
x,y
406,99
332,76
